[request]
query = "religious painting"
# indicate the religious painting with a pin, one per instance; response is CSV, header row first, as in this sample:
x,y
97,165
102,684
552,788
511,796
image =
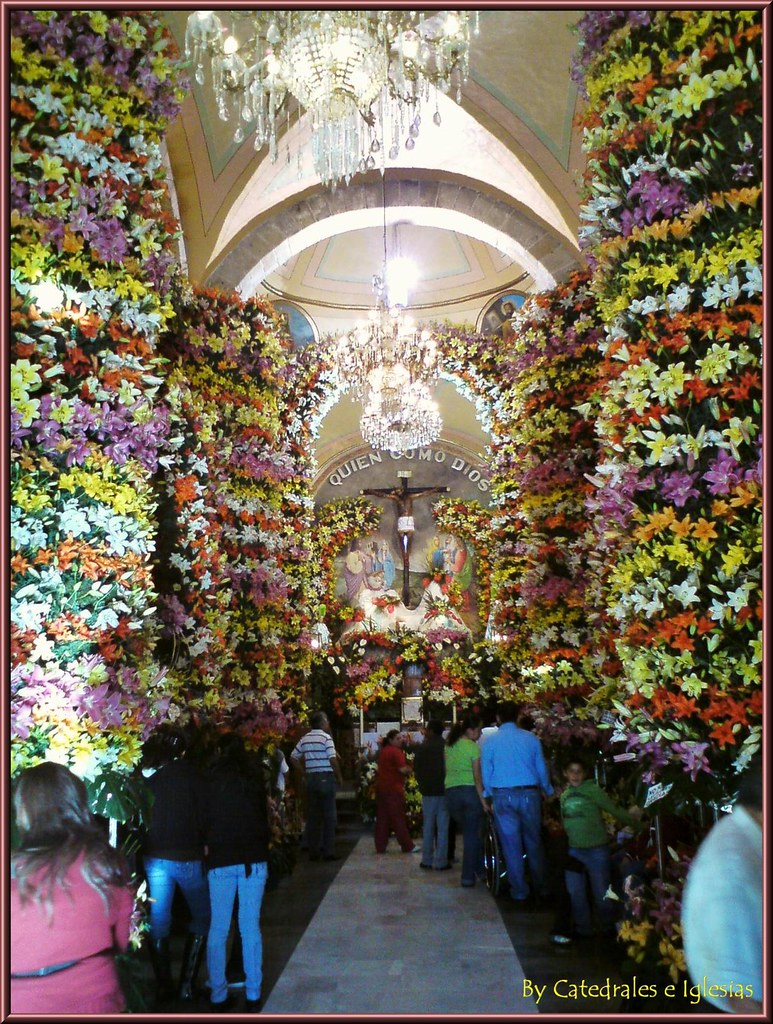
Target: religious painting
x,y
497,317
299,323
371,577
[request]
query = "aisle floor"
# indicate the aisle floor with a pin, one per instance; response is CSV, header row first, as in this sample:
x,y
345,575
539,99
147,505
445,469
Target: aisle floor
x,y
376,934
391,938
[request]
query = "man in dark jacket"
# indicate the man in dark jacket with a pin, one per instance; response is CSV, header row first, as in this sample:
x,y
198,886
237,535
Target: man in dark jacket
x,y
429,769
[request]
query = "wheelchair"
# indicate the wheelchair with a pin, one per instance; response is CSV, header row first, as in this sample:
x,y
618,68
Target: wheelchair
x,y
493,859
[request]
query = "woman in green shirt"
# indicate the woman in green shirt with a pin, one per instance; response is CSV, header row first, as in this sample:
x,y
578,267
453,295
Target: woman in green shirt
x,y
464,793
582,804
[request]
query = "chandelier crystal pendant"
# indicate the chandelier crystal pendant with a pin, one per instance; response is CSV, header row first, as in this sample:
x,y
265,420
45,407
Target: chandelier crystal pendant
x,y
398,420
363,76
392,367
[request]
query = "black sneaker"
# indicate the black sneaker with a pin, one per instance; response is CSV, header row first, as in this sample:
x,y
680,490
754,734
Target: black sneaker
x,y
252,1005
427,867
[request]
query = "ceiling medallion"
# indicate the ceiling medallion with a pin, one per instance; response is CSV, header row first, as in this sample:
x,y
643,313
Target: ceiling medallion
x,y
363,76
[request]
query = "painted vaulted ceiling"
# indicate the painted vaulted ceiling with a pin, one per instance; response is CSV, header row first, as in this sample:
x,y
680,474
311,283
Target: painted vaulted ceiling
x,y
485,204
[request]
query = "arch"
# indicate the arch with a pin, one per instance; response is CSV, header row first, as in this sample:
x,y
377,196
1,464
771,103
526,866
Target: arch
x,y
549,258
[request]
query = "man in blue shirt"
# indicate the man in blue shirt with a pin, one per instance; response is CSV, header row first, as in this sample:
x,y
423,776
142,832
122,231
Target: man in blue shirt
x,y
514,775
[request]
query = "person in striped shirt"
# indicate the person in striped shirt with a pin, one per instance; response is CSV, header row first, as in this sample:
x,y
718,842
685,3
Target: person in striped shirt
x,y
315,758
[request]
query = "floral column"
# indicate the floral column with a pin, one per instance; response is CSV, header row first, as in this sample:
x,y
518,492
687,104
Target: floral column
x,y
236,571
672,231
547,609
92,251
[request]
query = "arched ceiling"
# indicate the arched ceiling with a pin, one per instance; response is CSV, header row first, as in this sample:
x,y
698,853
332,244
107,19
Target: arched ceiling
x,y
485,204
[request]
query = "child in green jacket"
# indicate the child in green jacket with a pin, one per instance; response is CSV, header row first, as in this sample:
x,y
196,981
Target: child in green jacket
x,y
582,804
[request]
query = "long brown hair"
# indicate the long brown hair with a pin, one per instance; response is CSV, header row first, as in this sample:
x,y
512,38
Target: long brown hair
x,y
56,826
459,728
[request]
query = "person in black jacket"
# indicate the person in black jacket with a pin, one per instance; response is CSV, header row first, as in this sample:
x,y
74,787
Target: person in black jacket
x,y
173,855
429,769
236,829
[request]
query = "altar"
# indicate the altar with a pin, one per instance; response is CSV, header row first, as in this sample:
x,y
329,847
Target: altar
x,y
384,611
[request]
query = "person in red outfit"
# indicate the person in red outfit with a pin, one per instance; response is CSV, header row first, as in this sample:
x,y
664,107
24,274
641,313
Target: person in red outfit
x,y
392,768
70,900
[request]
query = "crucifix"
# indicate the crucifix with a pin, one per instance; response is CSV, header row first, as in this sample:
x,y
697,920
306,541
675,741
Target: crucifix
x,y
403,497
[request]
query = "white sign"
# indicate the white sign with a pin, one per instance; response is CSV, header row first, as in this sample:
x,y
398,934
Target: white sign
x,y
657,792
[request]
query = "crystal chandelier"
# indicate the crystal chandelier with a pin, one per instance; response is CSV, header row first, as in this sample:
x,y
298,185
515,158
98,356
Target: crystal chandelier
x,y
363,76
397,418
392,367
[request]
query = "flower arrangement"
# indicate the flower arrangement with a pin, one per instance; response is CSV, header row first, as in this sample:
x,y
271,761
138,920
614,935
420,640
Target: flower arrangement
x,y
388,600
337,523
672,231
369,679
92,254
450,679
470,521
544,594
241,586
562,727
651,928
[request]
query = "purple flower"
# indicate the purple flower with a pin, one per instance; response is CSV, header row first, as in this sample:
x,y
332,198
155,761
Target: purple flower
x,y
679,488
656,198
54,233
173,614
724,473
18,432
77,452
102,705
118,66
86,196
20,193
56,34
110,245
89,47
693,757
26,26
84,222
47,433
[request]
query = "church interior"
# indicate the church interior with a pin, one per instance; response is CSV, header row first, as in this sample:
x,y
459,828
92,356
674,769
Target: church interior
x,y
401,365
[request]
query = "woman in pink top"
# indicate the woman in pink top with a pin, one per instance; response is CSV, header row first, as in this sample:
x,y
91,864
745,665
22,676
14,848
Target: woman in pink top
x,y
71,905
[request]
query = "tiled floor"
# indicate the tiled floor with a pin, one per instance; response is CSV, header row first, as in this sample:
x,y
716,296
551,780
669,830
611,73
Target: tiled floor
x,y
391,938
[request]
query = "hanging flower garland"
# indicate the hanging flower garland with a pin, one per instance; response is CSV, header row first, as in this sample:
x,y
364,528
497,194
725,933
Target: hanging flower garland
x,y
241,592
470,521
673,233
92,252
336,524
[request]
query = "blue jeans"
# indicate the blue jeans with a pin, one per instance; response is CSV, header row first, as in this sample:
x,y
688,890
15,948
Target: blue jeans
x,y
321,812
223,885
434,811
597,862
518,816
163,875
465,808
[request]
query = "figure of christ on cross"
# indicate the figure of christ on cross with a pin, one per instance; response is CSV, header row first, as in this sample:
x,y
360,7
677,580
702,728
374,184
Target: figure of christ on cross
x,y
403,497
